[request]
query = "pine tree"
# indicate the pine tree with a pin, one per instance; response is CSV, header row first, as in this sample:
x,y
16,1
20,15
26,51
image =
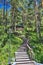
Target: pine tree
x,y
37,19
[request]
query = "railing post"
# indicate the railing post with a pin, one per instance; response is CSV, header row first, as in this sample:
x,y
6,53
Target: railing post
x,y
31,53
15,56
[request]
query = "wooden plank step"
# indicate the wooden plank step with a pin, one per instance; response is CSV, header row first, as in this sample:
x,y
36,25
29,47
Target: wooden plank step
x,y
21,53
25,62
22,47
21,57
22,60
21,50
22,64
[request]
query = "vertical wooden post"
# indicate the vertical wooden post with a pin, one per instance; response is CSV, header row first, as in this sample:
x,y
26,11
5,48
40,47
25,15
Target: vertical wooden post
x,y
37,19
42,3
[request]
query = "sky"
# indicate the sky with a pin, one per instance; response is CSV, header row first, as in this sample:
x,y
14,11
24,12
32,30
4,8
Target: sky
x,y
8,6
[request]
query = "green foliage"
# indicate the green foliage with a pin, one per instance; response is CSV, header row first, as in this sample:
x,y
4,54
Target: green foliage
x,y
14,42
37,47
22,11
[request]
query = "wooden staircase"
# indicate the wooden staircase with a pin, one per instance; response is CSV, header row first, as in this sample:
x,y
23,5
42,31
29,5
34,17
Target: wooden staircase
x,y
22,57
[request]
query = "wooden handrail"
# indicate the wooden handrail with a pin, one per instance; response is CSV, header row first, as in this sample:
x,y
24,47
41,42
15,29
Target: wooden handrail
x,y
30,48
31,53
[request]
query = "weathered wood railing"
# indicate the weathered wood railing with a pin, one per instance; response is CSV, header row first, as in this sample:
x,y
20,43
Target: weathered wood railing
x,y
30,51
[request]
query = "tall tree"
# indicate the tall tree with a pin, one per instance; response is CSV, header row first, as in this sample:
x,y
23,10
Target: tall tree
x,y
42,3
14,5
5,14
37,19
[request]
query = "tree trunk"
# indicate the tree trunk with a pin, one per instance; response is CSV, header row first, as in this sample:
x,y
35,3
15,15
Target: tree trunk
x,y
13,20
42,3
37,18
5,15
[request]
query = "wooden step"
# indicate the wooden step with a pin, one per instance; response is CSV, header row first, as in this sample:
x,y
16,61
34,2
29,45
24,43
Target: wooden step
x,y
21,52
20,60
22,55
25,63
21,48
24,45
